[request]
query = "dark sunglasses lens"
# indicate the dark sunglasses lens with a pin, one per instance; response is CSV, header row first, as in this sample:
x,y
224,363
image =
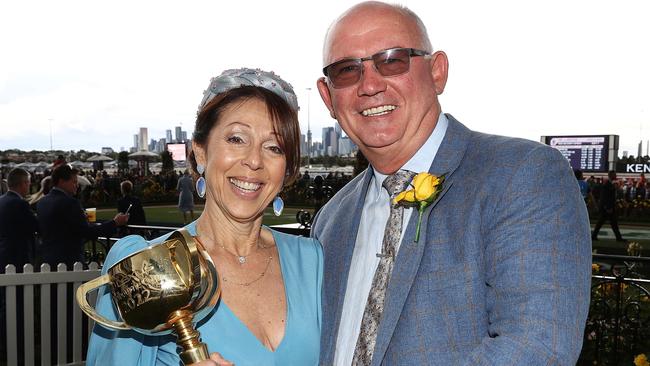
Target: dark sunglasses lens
x,y
392,62
344,73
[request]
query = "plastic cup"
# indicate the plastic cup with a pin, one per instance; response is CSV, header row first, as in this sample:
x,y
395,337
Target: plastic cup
x,y
91,213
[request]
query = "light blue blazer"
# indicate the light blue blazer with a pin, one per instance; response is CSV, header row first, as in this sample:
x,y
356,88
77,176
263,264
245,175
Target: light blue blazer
x,y
501,273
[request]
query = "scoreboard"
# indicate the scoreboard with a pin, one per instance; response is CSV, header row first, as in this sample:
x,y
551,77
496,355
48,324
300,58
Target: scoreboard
x,y
591,154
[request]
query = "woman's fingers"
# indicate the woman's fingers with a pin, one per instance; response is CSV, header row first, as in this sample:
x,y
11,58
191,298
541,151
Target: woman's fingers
x,y
216,357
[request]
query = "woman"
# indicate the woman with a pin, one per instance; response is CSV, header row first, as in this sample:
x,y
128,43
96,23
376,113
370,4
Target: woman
x,y
46,185
185,196
245,149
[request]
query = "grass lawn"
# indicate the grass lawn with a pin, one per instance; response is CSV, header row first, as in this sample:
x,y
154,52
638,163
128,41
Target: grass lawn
x,y
171,216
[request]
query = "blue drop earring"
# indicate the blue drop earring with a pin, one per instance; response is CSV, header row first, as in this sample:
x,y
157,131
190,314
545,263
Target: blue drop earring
x,y
200,183
278,206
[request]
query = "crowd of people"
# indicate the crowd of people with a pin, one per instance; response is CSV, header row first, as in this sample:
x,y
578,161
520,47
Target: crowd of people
x,y
49,226
631,195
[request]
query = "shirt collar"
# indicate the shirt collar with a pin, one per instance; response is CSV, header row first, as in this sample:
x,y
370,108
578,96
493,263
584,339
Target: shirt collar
x,y
60,190
16,193
423,158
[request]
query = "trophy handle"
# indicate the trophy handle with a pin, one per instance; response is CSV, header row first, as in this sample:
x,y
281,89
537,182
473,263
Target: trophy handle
x,y
82,300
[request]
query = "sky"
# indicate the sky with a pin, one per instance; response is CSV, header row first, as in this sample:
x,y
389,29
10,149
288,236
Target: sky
x,y
88,74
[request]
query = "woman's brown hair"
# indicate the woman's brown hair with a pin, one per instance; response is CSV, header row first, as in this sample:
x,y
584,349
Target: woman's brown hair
x,y
285,123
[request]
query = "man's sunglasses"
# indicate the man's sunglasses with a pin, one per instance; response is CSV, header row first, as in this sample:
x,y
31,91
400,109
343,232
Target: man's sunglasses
x,y
392,62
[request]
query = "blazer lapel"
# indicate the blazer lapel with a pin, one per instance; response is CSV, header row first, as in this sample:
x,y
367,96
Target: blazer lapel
x,y
407,263
340,245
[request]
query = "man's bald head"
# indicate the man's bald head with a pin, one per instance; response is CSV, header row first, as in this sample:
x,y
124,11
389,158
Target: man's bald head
x,y
369,11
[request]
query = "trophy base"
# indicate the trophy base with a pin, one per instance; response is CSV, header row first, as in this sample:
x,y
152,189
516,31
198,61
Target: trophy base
x,y
197,354
192,349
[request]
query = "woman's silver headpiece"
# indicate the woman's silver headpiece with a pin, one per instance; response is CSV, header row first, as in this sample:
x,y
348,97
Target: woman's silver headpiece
x,y
235,78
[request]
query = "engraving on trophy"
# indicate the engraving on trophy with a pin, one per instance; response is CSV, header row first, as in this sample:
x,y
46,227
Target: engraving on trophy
x,y
136,287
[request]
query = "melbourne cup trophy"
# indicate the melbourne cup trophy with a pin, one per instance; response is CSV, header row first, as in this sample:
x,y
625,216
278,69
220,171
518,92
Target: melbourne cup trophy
x,y
161,289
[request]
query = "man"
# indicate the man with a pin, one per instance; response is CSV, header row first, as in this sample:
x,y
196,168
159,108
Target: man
x,y
130,204
17,228
607,208
501,271
17,222
63,224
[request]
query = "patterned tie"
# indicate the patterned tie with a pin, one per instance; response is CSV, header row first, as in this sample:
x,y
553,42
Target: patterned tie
x,y
394,184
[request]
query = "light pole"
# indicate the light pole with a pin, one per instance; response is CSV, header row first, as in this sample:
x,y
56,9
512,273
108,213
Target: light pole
x,y
308,126
51,146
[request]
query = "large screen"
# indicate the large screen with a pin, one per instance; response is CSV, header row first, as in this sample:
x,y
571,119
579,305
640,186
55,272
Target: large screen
x,y
178,151
587,153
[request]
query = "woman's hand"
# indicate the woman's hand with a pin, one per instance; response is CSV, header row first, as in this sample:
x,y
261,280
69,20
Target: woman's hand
x,y
215,360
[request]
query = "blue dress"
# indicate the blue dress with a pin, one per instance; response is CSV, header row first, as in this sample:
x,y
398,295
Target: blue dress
x,y
185,198
301,261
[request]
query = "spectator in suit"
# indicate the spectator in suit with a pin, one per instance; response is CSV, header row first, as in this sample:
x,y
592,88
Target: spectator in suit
x,y
136,212
3,183
17,227
62,221
607,208
17,222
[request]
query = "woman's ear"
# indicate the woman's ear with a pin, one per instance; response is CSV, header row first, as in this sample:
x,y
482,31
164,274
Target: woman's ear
x,y
199,154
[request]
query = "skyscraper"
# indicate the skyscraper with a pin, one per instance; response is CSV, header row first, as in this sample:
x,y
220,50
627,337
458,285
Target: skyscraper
x,y
327,140
303,145
640,152
309,143
143,139
178,134
136,142
168,135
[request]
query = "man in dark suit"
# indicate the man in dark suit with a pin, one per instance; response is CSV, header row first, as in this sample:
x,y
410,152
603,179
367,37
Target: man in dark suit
x,y
17,227
17,222
607,208
62,221
501,271
131,204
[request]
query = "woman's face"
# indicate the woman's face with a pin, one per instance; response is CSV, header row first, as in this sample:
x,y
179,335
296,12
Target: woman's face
x,y
244,164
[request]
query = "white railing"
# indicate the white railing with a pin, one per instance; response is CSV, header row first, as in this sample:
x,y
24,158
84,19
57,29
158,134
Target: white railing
x,y
38,286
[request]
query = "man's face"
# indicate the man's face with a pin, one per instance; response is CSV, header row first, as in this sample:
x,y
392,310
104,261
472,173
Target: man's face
x,y
389,118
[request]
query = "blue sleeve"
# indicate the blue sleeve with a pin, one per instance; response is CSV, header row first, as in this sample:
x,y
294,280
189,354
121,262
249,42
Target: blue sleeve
x,y
538,261
113,347
319,283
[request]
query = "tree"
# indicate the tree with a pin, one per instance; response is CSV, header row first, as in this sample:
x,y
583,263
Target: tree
x,y
167,161
123,161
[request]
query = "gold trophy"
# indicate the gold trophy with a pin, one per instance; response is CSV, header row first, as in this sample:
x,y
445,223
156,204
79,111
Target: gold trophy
x,y
161,289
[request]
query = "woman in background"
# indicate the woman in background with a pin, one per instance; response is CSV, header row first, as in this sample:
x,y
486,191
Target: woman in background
x,y
186,196
46,185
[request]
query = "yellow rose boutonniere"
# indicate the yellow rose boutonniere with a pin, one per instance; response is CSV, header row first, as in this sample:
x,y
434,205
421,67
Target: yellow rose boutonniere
x,y
426,188
641,360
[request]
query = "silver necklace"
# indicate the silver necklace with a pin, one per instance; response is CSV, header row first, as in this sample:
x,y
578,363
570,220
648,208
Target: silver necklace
x,y
246,284
240,258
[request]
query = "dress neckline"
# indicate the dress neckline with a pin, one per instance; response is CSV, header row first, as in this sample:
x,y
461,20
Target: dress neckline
x,y
288,317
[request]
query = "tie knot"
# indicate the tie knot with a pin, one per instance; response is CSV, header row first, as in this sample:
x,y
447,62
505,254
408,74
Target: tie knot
x,y
397,182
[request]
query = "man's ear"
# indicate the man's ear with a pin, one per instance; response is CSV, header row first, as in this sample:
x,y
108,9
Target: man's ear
x,y
439,71
324,91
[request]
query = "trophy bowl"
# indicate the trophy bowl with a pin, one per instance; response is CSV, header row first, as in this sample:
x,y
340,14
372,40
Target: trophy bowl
x,y
161,289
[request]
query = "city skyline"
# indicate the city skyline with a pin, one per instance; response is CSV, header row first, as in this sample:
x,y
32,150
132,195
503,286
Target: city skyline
x,y
335,143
